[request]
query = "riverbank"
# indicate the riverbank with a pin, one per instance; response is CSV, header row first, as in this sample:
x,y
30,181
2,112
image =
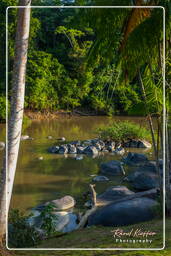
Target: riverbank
x,y
101,237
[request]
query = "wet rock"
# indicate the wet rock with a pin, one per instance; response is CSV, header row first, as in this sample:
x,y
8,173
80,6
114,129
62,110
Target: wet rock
x,y
113,193
144,144
137,144
62,139
64,203
134,158
2,145
72,149
119,151
61,204
53,149
91,150
124,213
97,146
102,144
145,181
100,178
63,149
76,143
112,168
49,137
80,150
110,146
62,221
87,142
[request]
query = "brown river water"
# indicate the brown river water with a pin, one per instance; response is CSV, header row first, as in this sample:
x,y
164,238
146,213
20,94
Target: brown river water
x,y
37,181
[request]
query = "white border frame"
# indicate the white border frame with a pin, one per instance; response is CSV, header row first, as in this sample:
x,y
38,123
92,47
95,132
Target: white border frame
x,y
164,119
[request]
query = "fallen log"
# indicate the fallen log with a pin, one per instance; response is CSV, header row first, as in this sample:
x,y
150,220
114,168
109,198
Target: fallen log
x,y
104,202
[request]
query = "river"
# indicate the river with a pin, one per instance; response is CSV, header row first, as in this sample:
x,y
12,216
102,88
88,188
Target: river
x,y
37,181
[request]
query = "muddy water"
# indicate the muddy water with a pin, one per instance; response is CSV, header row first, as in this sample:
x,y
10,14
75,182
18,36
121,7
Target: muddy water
x,y
37,181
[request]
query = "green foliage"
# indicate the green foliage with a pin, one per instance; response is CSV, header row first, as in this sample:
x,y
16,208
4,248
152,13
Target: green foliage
x,y
123,131
77,62
20,235
48,218
2,108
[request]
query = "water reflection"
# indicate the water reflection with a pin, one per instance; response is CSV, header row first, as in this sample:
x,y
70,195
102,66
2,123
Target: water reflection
x,y
37,180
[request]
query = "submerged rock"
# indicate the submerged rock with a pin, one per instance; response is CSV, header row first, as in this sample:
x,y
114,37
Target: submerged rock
x,y
124,213
100,178
112,168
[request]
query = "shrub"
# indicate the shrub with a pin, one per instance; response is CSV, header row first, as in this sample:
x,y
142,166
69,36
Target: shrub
x,y
2,108
20,234
122,131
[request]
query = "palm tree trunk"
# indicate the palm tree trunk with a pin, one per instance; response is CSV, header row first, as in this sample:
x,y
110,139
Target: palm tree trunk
x,y
17,104
155,146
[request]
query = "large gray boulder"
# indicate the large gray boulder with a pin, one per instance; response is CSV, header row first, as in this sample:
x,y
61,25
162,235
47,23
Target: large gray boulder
x,y
145,181
112,168
135,158
113,193
124,213
62,221
61,204
137,144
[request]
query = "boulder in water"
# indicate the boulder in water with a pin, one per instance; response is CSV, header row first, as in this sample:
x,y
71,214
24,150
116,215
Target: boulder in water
x,y
91,150
124,213
145,181
112,168
63,149
135,158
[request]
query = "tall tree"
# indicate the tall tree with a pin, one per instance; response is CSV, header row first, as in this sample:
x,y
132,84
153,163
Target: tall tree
x,y
17,106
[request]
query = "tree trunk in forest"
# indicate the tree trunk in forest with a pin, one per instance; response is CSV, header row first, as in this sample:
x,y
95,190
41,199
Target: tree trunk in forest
x,y
17,107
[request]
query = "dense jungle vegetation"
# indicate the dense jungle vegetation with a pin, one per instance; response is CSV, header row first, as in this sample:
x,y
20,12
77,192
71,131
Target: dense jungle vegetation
x,y
73,59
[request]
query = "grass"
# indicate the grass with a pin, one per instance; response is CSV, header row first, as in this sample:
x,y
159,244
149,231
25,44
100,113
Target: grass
x,y
101,237
123,131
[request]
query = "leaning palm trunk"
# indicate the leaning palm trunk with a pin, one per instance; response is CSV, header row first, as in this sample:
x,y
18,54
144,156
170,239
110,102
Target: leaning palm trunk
x,y
155,146
17,105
